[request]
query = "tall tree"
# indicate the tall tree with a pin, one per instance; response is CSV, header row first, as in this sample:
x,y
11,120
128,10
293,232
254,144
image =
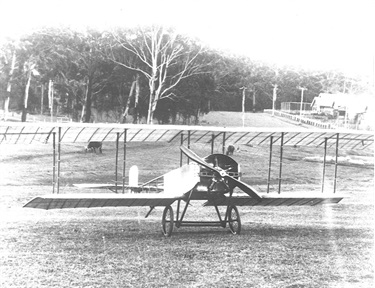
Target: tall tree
x,y
196,92
83,72
133,95
163,57
29,70
8,68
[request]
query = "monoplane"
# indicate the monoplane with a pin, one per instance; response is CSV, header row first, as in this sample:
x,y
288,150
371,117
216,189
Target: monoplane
x,y
215,179
212,179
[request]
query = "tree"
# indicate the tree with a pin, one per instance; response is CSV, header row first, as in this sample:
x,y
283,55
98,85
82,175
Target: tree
x,y
134,90
38,58
29,70
83,71
27,60
196,94
162,56
155,71
8,67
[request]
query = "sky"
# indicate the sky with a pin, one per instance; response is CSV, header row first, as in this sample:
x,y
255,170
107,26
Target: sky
x,y
318,34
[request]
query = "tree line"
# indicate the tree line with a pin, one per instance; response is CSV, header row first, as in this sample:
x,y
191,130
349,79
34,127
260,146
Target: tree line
x,y
146,72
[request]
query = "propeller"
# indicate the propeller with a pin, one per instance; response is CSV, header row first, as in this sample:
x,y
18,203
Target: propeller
x,y
243,186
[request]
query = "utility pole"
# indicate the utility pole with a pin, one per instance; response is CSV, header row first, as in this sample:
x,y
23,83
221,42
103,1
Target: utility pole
x,y
50,97
41,98
253,98
346,117
300,110
274,98
243,105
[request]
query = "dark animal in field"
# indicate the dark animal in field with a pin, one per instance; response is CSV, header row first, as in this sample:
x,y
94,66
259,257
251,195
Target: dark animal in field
x,y
93,145
230,150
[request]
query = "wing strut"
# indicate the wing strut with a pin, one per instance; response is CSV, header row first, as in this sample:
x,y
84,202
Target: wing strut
x,y
149,212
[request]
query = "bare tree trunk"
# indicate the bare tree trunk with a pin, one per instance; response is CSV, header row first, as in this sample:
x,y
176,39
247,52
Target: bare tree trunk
x,y
126,111
254,99
75,108
149,113
82,112
88,101
9,87
151,108
84,106
26,97
134,89
136,99
6,105
69,106
151,104
41,100
196,116
50,97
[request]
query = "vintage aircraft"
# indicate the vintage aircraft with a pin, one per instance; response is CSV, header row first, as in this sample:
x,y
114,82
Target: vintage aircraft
x,y
214,179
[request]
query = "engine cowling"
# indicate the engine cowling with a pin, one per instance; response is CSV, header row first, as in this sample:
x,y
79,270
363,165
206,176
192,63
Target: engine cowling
x,y
214,182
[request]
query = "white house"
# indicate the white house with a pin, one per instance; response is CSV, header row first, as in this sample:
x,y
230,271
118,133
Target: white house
x,y
341,103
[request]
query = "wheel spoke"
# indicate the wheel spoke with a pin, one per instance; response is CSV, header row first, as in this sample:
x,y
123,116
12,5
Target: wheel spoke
x,y
234,220
167,221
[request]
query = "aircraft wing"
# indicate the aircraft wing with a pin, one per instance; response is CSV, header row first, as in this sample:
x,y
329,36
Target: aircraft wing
x,y
91,200
113,187
25,133
175,184
283,199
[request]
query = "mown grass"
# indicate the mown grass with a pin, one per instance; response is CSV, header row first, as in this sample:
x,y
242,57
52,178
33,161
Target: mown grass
x,y
326,246
298,247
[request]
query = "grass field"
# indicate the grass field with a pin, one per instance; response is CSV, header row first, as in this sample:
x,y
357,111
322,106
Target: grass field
x,y
213,118
325,246
234,119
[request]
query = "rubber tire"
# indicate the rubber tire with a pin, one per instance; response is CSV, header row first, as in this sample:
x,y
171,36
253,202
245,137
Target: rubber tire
x,y
234,220
167,222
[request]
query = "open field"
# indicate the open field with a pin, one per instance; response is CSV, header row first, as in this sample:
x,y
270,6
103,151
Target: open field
x,y
230,119
327,246
213,118
324,246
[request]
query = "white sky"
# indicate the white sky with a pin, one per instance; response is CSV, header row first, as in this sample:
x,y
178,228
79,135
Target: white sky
x,y
317,34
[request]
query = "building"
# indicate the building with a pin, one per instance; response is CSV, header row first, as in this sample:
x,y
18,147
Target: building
x,y
341,104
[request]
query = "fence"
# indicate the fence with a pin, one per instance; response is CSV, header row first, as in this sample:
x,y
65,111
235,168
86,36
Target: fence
x,y
299,119
337,124
295,106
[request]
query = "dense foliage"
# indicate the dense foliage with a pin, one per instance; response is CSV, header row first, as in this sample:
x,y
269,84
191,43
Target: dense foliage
x,y
151,73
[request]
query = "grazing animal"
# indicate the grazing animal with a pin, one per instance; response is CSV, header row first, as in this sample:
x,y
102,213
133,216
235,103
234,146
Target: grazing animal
x,y
230,150
93,145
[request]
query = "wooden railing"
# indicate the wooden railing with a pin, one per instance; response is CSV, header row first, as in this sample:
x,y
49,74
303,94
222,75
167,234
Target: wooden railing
x,y
300,119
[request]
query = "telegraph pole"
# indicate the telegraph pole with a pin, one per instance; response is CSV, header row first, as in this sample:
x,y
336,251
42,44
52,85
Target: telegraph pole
x,y
254,101
274,98
50,97
300,110
243,105
253,98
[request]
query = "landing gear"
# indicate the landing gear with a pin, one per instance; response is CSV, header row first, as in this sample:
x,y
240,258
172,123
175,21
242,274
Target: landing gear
x,y
234,220
167,221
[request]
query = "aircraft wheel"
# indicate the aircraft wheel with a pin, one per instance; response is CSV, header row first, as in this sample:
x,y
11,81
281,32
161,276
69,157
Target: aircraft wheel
x,y
167,221
234,220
